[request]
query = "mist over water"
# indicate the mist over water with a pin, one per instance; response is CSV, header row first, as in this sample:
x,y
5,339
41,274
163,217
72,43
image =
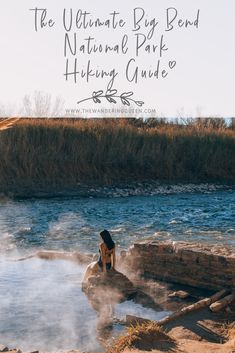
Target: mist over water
x,y
41,302
43,307
70,224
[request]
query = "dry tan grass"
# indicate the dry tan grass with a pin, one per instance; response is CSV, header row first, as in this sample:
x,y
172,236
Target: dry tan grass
x,y
145,336
64,152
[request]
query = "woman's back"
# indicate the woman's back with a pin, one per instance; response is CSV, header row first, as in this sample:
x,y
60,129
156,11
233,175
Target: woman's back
x,y
106,253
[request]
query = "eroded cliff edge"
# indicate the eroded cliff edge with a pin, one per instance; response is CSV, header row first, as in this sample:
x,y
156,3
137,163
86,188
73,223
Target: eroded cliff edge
x,y
198,265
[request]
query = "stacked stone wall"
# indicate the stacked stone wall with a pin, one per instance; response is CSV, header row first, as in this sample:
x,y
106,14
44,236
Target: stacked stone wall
x,y
198,265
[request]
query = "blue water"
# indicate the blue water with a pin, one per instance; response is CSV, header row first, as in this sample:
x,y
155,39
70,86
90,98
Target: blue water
x,y
41,302
71,224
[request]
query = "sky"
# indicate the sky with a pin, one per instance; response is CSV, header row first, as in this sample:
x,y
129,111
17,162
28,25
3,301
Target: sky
x,y
198,61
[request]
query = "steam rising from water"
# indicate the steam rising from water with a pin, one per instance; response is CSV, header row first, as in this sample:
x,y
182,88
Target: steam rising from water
x,y
70,224
43,307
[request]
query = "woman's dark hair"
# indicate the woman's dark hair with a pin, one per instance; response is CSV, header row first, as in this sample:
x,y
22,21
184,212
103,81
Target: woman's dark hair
x,y
105,235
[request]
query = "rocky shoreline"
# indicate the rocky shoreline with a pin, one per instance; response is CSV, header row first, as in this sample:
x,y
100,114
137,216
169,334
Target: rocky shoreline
x,y
151,189
148,188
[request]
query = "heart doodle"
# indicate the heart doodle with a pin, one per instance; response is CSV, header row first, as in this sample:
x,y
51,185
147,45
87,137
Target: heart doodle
x,y
172,64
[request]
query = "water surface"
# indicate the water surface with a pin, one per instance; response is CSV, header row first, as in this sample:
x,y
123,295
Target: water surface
x,y
71,224
42,307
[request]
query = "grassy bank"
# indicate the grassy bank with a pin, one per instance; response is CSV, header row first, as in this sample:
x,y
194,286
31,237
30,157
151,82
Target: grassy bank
x,y
63,153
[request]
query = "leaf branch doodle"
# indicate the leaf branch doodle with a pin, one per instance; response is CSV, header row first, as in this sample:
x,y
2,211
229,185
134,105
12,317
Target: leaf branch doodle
x,y
111,96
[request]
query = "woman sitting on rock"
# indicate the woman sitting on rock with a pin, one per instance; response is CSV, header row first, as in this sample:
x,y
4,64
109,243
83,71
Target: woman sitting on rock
x,y
107,257
107,252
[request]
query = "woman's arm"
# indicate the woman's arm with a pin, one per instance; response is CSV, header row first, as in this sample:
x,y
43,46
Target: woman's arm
x,y
114,259
103,258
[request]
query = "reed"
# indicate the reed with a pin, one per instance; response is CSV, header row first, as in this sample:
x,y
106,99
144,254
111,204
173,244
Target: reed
x,y
68,152
145,337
